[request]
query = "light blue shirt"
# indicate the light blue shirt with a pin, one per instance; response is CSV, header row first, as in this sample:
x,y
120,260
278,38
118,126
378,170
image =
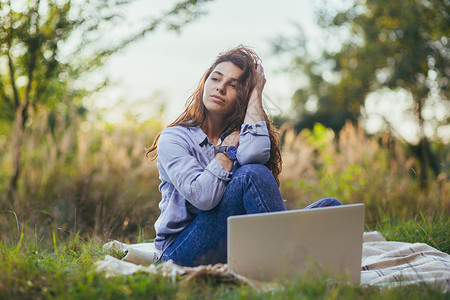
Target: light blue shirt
x,y
192,180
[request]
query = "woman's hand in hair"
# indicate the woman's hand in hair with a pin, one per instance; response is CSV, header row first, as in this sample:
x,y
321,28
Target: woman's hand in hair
x,y
260,82
255,111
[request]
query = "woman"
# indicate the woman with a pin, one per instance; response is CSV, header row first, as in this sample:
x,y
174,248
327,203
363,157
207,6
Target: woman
x,y
219,158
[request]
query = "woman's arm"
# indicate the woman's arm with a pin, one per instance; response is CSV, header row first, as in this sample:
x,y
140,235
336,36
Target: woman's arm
x,y
254,142
255,111
202,186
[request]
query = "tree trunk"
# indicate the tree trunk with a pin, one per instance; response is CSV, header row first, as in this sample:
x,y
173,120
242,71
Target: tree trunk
x,y
21,108
17,141
422,144
424,153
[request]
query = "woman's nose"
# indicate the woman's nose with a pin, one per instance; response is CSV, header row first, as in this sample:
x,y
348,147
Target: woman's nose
x,y
221,88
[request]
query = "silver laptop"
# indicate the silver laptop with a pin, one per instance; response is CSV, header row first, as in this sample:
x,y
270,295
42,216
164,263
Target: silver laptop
x,y
283,245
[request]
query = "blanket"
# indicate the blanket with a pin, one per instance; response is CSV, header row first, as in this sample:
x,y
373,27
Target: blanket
x,y
397,263
384,263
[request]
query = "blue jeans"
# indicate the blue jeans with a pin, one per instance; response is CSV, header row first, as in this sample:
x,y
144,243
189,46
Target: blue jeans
x,y
251,190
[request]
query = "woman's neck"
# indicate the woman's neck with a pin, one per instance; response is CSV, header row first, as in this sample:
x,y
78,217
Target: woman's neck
x,y
213,128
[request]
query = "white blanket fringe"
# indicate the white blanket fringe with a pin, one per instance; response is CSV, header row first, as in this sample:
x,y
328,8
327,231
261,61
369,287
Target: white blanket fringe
x,y
383,263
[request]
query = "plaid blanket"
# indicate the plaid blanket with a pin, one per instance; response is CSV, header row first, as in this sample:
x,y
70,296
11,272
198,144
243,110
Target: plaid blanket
x,y
397,263
384,263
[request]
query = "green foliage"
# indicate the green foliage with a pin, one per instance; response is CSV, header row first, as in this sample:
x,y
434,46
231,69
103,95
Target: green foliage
x,y
402,45
48,45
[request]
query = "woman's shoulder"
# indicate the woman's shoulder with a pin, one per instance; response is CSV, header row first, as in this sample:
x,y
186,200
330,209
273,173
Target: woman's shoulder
x,y
173,137
178,134
175,130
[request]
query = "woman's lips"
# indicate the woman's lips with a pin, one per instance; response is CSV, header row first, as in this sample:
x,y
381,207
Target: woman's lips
x,y
218,98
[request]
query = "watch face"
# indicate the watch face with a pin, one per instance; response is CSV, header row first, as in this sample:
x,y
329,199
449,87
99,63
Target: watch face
x,y
232,151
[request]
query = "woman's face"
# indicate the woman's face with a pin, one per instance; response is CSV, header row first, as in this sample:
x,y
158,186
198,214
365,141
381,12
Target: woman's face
x,y
220,91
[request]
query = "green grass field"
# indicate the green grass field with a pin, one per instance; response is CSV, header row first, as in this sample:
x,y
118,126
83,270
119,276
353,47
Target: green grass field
x,y
66,270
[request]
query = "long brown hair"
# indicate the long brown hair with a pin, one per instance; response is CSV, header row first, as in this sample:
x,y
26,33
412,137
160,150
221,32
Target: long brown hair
x,y
195,111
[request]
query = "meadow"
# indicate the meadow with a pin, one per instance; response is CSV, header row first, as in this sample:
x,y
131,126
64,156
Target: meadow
x,y
84,183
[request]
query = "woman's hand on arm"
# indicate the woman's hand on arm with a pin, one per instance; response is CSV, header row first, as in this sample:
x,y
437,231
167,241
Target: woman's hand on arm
x,y
255,111
231,140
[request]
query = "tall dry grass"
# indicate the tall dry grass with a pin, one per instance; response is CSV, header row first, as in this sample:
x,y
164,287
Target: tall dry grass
x,y
358,168
83,177
94,177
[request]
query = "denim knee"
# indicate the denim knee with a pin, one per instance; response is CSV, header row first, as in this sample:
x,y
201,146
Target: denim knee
x,y
252,169
324,203
331,202
243,177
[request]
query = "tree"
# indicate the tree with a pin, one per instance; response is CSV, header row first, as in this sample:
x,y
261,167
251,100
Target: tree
x,y
399,45
46,45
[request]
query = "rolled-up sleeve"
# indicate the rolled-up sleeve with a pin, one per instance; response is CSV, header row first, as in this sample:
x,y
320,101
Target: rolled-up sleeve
x,y
254,144
202,187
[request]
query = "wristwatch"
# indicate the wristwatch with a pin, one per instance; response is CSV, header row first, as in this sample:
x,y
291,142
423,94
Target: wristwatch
x,y
229,151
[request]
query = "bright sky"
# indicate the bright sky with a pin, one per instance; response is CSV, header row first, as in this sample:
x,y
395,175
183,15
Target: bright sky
x,y
171,64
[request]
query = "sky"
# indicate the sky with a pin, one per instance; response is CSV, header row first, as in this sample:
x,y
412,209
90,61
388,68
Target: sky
x,y
166,66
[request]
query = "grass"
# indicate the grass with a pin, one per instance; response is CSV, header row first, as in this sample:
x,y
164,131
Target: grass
x,y
65,269
434,231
